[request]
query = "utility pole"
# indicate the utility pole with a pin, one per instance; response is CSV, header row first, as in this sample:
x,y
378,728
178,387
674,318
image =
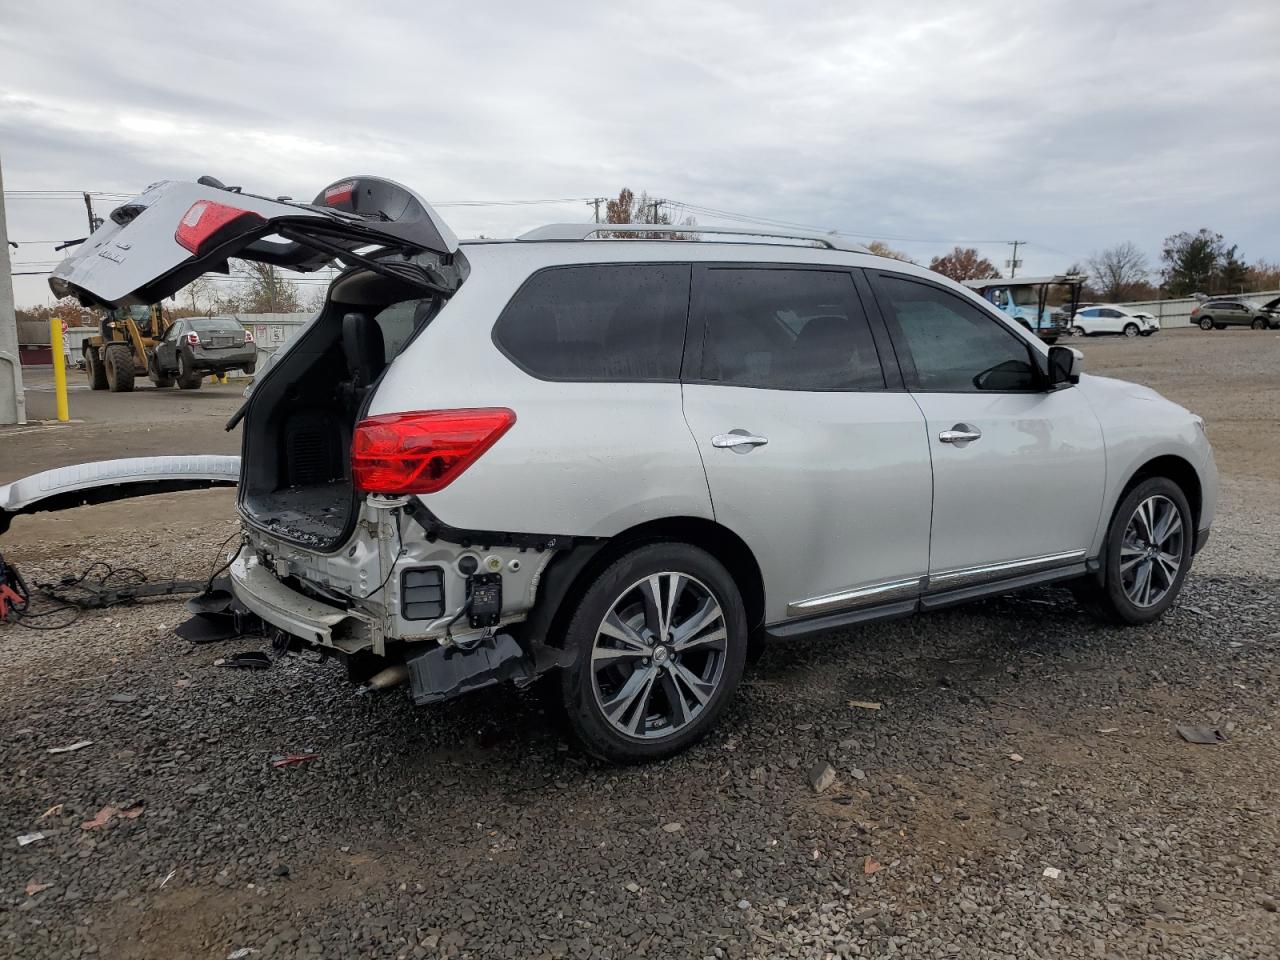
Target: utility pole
x,y
656,205
1013,263
596,203
13,402
94,221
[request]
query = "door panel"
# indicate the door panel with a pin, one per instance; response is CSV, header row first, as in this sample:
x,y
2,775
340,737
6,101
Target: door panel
x,y
1030,487
1018,470
809,458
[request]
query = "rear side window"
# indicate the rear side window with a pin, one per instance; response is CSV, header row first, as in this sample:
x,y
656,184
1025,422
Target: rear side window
x,y
619,322
786,329
954,346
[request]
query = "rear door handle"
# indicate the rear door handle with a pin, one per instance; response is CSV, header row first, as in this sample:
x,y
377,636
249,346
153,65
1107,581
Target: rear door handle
x,y
734,440
961,433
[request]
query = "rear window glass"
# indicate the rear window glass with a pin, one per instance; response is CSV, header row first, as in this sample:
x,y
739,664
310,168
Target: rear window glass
x,y
398,321
598,322
787,330
215,325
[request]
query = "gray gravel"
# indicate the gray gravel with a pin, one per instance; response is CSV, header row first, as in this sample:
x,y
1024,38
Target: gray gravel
x,y
1014,735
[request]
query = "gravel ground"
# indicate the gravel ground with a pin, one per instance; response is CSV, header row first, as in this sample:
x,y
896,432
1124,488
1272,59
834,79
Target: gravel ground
x,y
1014,736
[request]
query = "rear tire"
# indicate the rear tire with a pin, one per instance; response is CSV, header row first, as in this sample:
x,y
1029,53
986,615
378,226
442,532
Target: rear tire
x,y
188,379
249,369
161,380
653,674
118,361
1206,324
1131,330
93,368
1145,556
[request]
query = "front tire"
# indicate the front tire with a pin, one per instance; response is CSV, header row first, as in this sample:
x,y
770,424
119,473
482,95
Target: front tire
x,y
1131,330
93,368
1259,324
118,361
1146,555
661,642
1079,332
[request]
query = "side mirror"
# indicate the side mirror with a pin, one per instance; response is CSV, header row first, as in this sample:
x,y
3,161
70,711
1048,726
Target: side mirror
x,y
1065,366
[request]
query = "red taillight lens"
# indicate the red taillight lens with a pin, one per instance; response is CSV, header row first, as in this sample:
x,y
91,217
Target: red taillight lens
x,y
207,224
424,451
339,194
193,339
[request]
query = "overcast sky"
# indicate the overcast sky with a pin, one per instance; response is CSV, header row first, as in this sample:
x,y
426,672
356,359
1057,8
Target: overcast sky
x,y
1070,125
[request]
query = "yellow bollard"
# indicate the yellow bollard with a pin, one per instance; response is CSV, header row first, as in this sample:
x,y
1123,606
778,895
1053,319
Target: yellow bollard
x,y
59,368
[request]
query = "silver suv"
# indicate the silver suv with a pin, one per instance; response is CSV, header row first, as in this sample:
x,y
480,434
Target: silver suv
x,y
630,461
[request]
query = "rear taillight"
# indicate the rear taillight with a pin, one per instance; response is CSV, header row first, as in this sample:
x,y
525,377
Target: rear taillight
x,y
207,224
248,337
423,451
193,339
339,195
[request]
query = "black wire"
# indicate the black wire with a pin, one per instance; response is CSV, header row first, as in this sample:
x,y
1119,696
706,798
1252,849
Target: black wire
x,y
230,560
399,554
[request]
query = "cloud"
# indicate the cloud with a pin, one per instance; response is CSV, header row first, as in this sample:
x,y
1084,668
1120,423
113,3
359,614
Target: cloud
x,y
1071,125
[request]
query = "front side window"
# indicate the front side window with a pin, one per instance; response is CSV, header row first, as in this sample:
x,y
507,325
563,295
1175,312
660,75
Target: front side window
x,y
954,346
599,322
786,329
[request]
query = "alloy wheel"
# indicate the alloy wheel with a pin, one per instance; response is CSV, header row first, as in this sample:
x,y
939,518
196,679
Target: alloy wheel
x,y
659,655
1151,551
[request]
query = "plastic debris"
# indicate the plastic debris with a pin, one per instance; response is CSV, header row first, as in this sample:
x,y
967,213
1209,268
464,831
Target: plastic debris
x,y
105,815
1197,734
249,660
293,759
1052,873
78,745
29,838
865,704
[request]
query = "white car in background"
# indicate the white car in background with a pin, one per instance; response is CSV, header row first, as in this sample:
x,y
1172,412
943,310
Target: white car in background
x,y
1110,318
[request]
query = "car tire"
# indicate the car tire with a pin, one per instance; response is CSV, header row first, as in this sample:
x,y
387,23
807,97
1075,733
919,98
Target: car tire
x,y
117,360
94,370
1079,332
249,369
1139,582
1259,324
188,379
1131,330
626,704
1206,324
160,380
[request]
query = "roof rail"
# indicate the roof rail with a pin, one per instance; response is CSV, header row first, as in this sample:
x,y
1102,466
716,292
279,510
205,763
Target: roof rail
x,y
583,231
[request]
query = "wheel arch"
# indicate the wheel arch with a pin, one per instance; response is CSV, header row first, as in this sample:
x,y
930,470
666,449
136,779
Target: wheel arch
x,y
1175,468
568,577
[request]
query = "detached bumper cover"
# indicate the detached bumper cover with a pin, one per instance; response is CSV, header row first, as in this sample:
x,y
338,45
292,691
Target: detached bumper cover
x,y
104,481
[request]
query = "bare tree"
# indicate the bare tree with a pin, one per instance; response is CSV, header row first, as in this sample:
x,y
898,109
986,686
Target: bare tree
x,y
267,289
1118,272
200,291
964,263
882,249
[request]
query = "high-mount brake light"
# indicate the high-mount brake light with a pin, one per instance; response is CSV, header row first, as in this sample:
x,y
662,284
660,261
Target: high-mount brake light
x,y
425,450
206,224
339,193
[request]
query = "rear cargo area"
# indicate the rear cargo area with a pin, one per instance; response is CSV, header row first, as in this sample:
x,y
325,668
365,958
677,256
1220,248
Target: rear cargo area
x,y
296,478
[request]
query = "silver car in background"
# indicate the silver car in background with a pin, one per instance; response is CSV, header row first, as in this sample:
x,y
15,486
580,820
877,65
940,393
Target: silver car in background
x,y
628,462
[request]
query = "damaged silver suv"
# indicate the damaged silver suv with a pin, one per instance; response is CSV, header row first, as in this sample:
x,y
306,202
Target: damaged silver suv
x,y
631,460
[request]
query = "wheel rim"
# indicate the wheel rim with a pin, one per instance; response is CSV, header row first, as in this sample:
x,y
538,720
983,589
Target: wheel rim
x,y
1131,331
1151,551
659,656
1077,331
1206,325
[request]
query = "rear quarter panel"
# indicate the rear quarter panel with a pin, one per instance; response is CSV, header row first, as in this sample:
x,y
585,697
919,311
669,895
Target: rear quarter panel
x,y
582,459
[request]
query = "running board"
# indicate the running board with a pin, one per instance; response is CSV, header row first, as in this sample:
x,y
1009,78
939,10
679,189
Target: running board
x,y
791,629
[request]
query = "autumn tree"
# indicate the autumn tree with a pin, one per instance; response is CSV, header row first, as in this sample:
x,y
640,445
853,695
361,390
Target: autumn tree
x,y
628,208
1264,276
882,249
1119,272
964,263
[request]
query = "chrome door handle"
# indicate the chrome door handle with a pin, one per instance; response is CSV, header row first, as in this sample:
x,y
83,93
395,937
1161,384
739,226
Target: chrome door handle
x,y
960,433
731,440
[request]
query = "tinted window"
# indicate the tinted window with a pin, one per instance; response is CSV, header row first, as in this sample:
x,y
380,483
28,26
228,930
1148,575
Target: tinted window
x,y
398,321
1109,313
1088,313
599,322
786,330
956,348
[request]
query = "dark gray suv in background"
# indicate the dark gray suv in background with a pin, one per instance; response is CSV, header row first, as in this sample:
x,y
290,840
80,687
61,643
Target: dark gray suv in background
x,y
1229,312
